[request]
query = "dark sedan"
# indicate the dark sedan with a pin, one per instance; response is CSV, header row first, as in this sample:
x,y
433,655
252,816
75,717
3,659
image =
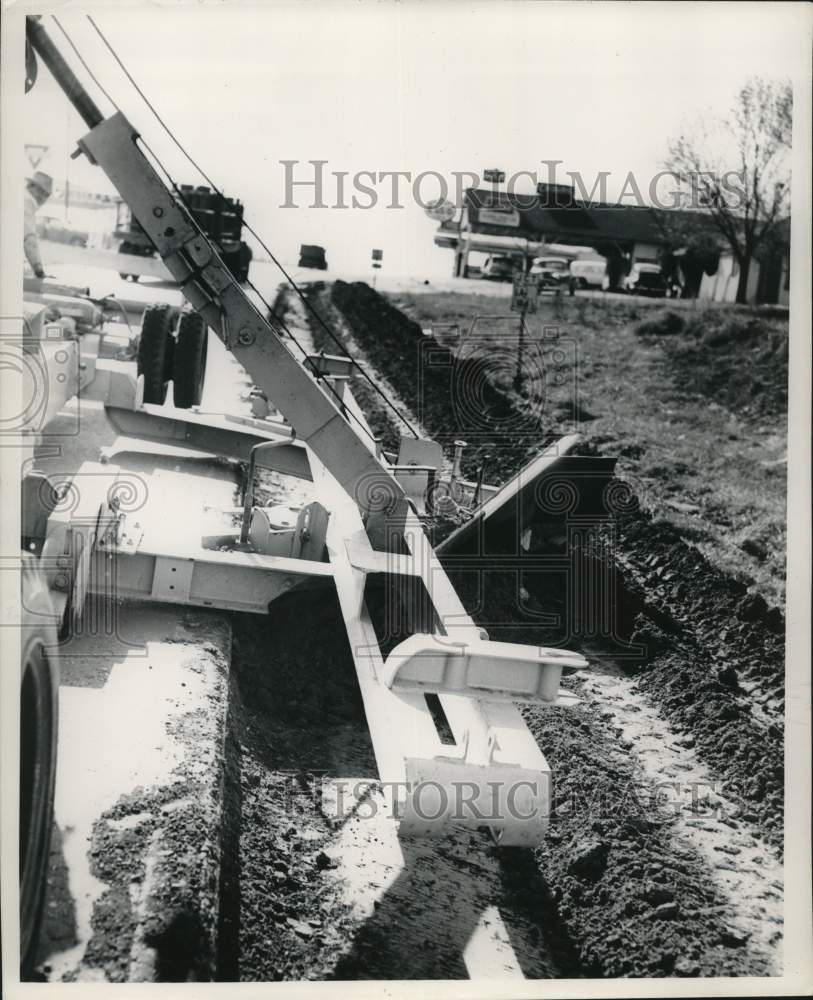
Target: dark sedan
x,y
646,279
498,268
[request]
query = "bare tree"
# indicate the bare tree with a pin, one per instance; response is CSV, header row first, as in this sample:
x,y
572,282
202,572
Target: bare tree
x,y
736,169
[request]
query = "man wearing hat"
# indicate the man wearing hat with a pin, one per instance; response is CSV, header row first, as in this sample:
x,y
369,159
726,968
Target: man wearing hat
x,y
37,191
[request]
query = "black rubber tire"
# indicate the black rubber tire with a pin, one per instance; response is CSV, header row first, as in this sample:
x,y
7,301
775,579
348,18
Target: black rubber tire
x,y
155,352
169,354
189,369
39,711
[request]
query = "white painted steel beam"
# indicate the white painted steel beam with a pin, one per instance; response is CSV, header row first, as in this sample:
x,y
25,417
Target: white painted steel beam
x,y
480,668
229,581
494,775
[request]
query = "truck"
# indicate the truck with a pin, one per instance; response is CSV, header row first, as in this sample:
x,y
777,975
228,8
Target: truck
x,y
311,255
220,218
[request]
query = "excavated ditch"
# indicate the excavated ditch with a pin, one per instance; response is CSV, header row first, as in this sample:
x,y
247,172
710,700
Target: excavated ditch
x,y
711,653
320,900
662,856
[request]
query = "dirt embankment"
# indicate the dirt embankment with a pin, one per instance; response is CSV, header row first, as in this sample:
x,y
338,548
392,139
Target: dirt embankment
x,y
153,856
738,360
297,715
452,396
692,404
706,655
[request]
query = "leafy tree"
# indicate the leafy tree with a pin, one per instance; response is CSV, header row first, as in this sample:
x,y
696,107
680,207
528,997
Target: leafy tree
x,y
736,169
691,249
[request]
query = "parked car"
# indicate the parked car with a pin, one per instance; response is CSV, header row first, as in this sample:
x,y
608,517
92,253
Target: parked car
x,y
50,228
499,268
554,272
645,279
588,273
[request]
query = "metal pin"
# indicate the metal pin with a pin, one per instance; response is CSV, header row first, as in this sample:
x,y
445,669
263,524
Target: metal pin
x,y
458,456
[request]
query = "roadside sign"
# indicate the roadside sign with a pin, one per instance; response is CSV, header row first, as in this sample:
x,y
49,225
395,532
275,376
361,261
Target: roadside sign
x,y
35,154
526,293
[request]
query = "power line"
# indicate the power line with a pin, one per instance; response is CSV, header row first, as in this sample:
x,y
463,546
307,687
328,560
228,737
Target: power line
x,y
259,239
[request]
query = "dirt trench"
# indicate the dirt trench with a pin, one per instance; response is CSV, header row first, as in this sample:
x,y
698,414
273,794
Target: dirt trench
x,y
685,694
705,649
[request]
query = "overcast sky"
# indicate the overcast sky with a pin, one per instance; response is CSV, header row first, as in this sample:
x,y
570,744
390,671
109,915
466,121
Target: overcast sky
x,y
408,87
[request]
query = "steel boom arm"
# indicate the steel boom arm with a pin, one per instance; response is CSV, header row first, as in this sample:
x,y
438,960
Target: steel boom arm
x,y
212,291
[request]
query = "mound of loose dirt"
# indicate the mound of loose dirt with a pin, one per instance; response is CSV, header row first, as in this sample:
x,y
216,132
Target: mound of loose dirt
x,y
714,663
297,714
452,397
664,324
633,897
739,360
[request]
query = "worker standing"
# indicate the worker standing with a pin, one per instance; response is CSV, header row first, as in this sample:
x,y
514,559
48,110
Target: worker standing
x,y
37,191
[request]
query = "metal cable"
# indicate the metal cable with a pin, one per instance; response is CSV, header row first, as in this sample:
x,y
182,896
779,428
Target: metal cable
x,y
88,70
256,236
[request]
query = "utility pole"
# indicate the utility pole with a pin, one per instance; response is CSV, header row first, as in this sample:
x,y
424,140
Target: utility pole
x,y
523,300
520,352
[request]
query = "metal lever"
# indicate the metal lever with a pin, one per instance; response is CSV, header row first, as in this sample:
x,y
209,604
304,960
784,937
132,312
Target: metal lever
x,y
248,501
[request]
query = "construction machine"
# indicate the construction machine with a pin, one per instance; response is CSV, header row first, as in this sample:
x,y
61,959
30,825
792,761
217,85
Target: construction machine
x,y
311,255
219,217
350,517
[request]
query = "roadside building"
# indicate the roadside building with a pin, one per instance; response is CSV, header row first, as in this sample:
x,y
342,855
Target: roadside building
x,y
768,276
522,225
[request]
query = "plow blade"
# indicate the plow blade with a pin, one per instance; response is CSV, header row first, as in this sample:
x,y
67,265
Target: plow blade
x,y
554,485
512,803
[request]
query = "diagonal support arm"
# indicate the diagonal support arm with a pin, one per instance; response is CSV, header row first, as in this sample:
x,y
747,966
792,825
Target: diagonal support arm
x,y
210,288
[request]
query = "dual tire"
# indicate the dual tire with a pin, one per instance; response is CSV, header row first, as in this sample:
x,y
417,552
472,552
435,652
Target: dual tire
x,y
164,357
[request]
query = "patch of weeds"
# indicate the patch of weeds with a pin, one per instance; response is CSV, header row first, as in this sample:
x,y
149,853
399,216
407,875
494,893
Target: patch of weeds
x,y
664,324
